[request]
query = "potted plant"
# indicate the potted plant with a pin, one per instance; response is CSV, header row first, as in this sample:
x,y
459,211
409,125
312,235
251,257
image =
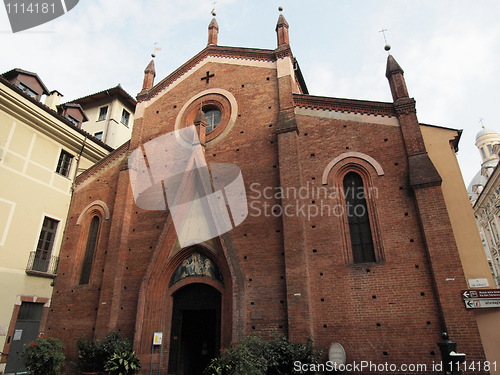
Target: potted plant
x,y
123,363
44,356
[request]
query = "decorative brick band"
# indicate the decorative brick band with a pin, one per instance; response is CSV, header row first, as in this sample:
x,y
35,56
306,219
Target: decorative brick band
x,y
344,105
405,106
102,163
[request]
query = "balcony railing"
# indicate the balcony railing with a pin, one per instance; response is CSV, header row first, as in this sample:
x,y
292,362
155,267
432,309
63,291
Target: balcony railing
x,y
37,265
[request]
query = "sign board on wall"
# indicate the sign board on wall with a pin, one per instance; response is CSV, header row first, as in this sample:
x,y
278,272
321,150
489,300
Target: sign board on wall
x,y
336,354
478,283
481,293
157,337
481,298
482,303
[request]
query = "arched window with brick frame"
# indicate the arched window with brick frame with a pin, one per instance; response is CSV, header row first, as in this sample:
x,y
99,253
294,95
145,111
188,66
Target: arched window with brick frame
x,y
91,221
360,224
356,176
358,220
90,247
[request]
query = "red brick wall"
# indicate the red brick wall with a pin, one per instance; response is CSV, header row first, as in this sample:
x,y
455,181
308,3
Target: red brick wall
x,y
386,311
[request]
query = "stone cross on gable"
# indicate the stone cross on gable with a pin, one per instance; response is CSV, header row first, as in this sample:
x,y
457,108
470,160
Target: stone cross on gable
x,y
207,77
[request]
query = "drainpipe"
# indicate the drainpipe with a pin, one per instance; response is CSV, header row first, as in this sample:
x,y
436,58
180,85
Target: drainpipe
x,y
105,140
77,164
72,190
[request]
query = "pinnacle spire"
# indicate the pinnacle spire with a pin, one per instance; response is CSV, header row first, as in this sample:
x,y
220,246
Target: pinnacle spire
x,y
213,32
200,122
200,118
392,66
394,74
149,76
282,30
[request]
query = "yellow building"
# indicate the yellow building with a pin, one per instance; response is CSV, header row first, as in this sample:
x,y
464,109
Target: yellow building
x,y
42,150
441,144
110,115
484,195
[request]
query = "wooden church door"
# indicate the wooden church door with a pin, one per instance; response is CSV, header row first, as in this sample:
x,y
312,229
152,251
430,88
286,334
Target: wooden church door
x,y
196,329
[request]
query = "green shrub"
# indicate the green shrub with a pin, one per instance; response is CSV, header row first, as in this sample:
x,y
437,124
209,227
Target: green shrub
x,y
123,363
89,356
44,356
93,355
256,356
284,353
112,344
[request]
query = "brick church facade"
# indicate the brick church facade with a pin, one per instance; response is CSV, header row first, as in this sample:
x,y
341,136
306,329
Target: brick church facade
x,y
377,272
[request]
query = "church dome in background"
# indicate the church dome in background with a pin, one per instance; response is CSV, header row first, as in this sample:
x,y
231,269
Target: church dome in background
x,y
476,186
487,142
485,131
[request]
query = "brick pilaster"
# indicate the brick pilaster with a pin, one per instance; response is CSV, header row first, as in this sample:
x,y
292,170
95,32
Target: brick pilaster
x,y
297,278
109,303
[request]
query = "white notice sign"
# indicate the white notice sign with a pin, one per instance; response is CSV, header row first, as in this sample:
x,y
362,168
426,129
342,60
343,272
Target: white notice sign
x,y
157,337
18,333
478,283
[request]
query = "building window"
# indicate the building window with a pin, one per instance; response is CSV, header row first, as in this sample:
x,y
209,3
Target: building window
x,y
483,153
73,120
28,91
490,149
64,163
358,219
125,117
495,231
213,116
90,250
41,261
103,113
98,135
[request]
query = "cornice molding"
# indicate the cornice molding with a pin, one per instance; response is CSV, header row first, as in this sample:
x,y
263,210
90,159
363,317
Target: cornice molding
x,y
118,154
344,105
405,106
49,123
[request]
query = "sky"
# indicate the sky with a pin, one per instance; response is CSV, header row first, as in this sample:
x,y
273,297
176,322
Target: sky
x,y
449,50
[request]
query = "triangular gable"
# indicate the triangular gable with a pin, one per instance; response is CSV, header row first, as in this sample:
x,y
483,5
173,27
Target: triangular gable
x,y
230,55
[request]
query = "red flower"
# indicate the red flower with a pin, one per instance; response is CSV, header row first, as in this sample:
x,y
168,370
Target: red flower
x,y
33,344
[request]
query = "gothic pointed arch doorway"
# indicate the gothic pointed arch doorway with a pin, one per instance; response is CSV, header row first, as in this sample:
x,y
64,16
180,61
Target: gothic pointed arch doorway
x,y
174,276
196,328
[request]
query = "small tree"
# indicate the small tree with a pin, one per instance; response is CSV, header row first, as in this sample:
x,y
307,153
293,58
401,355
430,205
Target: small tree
x,y
44,356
